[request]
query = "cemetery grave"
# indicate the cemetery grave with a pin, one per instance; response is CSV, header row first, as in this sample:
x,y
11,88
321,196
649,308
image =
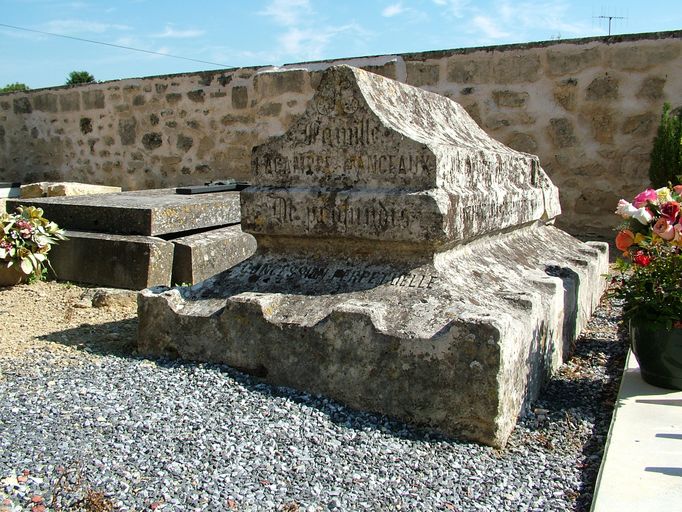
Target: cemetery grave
x,y
406,264
144,238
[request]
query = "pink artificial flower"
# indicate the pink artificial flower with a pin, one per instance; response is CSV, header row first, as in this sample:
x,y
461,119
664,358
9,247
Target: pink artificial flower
x,y
664,229
678,189
678,232
642,198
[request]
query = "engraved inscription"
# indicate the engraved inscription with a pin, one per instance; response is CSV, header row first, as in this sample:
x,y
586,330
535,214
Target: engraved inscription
x,y
264,272
342,216
353,164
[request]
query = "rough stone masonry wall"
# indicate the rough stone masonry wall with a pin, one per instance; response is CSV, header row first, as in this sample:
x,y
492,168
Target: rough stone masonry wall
x,y
588,107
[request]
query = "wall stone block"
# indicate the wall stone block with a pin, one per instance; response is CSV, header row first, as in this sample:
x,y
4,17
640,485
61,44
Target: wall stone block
x,y
519,68
127,131
603,88
270,109
173,98
603,125
196,96
522,142
565,94
651,88
640,125
93,100
511,99
45,102
240,97
422,73
139,100
497,120
465,71
184,143
562,132
643,56
268,85
70,101
388,70
22,106
564,62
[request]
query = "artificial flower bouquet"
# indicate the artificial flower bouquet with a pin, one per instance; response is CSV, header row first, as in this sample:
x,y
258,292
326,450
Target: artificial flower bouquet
x,y
650,238
25,239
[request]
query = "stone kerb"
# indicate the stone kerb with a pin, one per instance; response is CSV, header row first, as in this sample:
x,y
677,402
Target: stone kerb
x,y
458,332
377,160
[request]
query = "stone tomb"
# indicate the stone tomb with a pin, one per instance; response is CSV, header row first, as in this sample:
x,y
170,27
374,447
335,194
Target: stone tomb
x,y
145,238
406,264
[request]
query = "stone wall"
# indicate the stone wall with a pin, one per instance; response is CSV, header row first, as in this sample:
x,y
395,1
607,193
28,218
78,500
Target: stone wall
x,y
588,107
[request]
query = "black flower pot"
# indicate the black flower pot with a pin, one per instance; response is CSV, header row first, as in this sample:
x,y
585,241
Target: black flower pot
x,y
658,352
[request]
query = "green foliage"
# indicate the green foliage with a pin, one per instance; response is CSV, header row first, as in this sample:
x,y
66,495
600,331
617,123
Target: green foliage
x,y
652,292
666,155
79,77
16,86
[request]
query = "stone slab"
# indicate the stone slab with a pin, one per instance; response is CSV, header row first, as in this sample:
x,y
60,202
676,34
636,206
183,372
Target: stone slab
x,y
63,188
117,261
143,212
461,344
200,256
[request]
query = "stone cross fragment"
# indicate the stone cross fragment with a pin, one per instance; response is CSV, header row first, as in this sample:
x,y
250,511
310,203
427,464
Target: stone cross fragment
x,y
407,264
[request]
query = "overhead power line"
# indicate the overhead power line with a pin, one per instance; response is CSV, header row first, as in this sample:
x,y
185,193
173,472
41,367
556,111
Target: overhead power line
x,y
114,45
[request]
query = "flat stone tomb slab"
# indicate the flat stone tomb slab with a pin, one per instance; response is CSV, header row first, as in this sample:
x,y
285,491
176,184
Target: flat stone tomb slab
x,y
406,265
202,255
119,261
144,212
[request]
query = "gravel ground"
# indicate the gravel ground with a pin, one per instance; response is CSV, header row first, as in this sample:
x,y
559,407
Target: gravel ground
x,y
86,424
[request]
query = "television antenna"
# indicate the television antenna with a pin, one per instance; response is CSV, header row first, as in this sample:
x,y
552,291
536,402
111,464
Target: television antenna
x,y
610,18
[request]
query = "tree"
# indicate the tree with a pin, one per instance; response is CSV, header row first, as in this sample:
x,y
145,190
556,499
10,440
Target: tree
x,y
666,155
16,86
79,77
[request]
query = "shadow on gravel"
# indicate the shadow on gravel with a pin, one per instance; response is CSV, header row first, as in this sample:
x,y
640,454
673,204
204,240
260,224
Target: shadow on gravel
x,y
111,338
604,395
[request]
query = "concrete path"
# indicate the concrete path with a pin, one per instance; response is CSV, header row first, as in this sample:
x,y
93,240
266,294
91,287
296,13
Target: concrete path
x,y
642,466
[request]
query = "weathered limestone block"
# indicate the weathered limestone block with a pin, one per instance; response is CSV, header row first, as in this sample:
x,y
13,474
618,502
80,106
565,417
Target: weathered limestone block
x,y
651,88
562,133
144,212
406,264
603,88
202,255
564,62
643,56
270,84
512,99
50,189
464,71
422,73
516,68
119,261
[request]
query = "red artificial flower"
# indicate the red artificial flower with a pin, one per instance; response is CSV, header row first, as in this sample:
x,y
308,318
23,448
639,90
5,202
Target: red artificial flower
x,y
641,258
624,239
670,211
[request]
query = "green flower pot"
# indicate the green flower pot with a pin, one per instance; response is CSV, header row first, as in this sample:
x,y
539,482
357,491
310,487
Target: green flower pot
x,y
658,352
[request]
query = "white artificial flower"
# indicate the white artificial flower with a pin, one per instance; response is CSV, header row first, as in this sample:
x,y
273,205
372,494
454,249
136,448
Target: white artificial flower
x,y
625,209
643,215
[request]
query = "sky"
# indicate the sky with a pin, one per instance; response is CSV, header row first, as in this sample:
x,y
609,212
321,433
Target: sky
x,y
229,33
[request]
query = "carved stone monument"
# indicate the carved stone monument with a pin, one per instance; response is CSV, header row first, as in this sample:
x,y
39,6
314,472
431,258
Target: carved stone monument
x,y
406,264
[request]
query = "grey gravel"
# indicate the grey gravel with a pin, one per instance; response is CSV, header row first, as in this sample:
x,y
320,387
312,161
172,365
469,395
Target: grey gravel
x,y
170,435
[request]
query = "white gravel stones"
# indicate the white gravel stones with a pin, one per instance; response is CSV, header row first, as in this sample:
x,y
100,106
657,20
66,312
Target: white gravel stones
x,y
176,436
